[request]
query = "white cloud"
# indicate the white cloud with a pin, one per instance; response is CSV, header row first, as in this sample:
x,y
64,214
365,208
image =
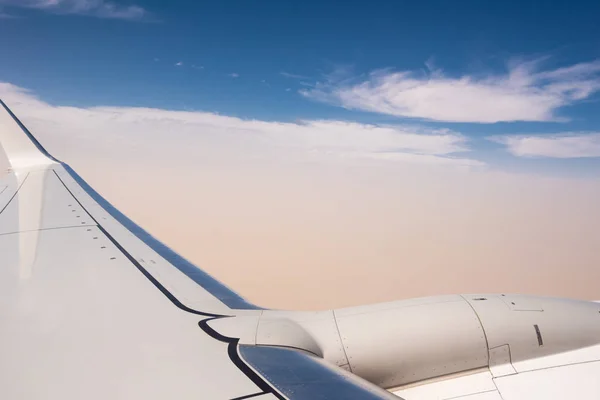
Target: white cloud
x,y
523,93
564,145
4,15
316,139
179,64
234,75
426,159
96,8
293,76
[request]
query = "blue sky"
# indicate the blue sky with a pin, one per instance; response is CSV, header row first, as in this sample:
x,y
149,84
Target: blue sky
x,y
491,71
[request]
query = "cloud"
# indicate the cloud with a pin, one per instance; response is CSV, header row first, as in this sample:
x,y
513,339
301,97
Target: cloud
x,y
293,76
234,75
4,15
426,159
327,140
564,145
179,64
523,93
96,8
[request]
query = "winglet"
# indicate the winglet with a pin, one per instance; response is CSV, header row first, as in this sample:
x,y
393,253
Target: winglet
x,y
22,149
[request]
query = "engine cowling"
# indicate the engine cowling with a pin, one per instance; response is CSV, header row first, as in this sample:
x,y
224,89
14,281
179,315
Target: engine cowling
x,y
398,343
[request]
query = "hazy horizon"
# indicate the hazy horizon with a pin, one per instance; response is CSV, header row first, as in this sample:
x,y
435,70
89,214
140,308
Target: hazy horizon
x,y
312,242
291,227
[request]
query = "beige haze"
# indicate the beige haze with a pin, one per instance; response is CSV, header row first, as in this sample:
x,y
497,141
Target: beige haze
x,y
306,240
288,229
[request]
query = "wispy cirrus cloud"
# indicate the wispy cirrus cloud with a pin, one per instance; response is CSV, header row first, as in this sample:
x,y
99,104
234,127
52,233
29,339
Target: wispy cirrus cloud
x,y
563,145
95,8
4,15
293,76
524,92
328,140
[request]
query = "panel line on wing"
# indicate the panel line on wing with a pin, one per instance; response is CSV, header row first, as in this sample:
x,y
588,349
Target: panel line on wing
x,y
249,396
15,194
45,229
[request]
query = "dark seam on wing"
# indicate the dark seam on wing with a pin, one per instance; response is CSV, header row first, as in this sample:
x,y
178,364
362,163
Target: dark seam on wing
x,y
249,396
13,196
143,270
46,229
236,359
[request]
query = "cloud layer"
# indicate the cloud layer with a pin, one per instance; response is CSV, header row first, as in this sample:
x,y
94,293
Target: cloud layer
x,y
565,145
96,8
308,140
312,139
239,195
523,93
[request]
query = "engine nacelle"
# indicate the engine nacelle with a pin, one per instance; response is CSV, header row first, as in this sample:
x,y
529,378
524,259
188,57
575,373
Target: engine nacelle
x,y
397,343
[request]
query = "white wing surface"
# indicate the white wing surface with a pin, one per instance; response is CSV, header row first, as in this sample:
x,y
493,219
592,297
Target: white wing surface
x,y
92,306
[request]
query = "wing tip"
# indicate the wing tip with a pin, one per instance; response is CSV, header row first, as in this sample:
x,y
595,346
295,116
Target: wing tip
x,y
22,149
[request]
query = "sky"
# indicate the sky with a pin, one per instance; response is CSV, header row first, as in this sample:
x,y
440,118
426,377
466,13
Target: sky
x,y
393,141
517,81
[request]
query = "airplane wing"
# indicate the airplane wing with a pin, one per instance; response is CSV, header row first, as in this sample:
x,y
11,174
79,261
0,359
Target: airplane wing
x,y
92,306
